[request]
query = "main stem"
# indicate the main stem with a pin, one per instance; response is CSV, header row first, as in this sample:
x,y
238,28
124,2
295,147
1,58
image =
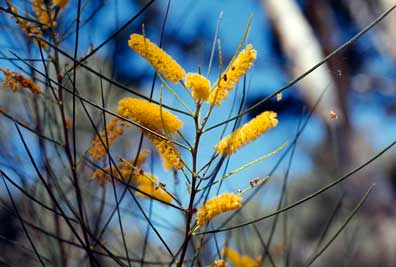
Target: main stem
x,y
190,210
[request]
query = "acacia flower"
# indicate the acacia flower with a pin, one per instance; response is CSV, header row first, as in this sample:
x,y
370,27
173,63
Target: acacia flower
x,y
219,263
28,28
199,85
127,170
114,129
239,260
157,57
247,133
147,185
234,72
60,3
149,115
42,13
16,81
217,205
168,152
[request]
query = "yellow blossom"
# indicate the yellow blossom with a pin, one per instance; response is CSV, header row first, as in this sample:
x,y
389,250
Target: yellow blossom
x,y
147,185
114,129
42,13
149,115
157,57
239,260
199,85
219,263
217,205
168,152
16,81
247,133
60,3
127,170
234,72
29,29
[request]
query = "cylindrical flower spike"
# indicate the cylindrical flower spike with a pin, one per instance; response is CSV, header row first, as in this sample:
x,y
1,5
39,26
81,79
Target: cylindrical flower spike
x,y
114,129
219,263
168,152
247,133
199,85
127,170
44,15
239,67
239,260
16,81
157,57
149,115
217,205
146,185
60,3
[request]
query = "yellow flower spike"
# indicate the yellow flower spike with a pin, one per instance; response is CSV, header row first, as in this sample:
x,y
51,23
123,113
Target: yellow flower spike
x,y
239,260
168,152
149,115
247,133
217,205
157,57
199,85
219,263
239,67
127,170
29,28
114,129
147,186
42,15
60,3
15,81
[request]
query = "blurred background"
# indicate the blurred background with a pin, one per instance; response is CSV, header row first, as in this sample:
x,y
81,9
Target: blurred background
x,y
354,119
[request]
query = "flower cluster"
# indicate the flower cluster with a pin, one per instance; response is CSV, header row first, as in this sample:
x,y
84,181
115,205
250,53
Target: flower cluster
x,y
16,81
44,14
149,115
247,133
219,263
114,129
127,170
158,120
60,3
157,57
239,260
147,184
217,205
239,67
199,85
168,152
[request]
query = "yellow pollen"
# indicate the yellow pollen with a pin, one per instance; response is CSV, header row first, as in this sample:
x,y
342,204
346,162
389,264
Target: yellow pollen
x,y
247,133
234,72
127,170
147,185
60,3
168,152
157,57
239,260
16,81
219,263
149,115
217,205
199,85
